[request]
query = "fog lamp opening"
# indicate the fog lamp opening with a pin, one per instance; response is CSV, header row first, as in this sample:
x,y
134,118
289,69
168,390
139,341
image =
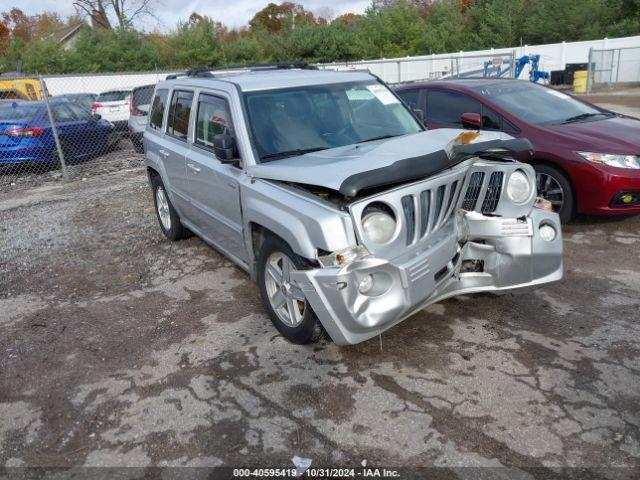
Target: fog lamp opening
x,y
374,284
626,199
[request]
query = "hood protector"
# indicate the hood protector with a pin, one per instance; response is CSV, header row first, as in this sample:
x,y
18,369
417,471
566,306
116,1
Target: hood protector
x,y
354,168
430,164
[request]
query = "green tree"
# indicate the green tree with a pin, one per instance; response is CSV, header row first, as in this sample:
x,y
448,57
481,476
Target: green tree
x,y
195,43
498,23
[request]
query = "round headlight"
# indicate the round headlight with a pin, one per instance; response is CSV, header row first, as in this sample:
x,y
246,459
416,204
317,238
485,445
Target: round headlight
x,y
378,226
519,187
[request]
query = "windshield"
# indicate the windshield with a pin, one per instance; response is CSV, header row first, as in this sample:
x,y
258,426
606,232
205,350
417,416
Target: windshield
x,y
536,104
11,111
299,120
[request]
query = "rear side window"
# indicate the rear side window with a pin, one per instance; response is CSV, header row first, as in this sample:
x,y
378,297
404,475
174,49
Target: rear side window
x,y
61,113
157,109
447,107
410,97
114,96
79,112
179,112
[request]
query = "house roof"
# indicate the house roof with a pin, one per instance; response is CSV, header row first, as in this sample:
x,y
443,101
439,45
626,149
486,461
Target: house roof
x,y
64,33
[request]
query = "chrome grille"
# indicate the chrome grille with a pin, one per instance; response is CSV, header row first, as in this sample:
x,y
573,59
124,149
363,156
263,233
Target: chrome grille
x,y
435,207
473,191
408,208
492,195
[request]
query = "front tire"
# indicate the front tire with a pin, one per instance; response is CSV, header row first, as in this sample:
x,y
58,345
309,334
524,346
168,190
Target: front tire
x,y
554,186
167,216
285,303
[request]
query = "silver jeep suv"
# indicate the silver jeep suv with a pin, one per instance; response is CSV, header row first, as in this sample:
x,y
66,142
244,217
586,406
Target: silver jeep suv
x,y
328,190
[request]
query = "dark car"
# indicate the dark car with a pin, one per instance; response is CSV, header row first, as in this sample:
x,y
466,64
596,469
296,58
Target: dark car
x,y
587,159
26,135
85,100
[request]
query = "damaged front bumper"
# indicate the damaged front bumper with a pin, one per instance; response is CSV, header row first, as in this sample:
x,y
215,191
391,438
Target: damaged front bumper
x,y
494,254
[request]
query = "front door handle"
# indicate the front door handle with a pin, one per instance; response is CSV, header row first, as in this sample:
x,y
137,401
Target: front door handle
x,y
164,153
193,167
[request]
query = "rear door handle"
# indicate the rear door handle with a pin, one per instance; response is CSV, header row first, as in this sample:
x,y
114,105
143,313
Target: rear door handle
x,y
193,167
164,153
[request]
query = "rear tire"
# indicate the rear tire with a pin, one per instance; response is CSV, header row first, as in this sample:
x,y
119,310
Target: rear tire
x,y
553,185
167,216
286,305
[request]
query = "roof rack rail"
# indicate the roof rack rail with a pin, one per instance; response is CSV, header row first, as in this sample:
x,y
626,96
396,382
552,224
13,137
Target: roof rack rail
x,y
211,71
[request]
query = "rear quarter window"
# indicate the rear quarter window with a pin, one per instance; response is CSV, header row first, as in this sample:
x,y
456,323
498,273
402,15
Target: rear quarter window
x,y
158,107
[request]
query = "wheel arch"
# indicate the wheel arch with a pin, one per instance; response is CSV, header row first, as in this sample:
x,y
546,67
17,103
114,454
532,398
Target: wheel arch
x,y
257,234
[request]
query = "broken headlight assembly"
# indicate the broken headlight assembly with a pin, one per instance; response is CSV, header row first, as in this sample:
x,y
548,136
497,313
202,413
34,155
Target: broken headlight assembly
x,y
342,257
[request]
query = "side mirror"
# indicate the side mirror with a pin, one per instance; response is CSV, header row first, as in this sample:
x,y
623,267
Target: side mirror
x,y
224,146
96,116
472,121
144,109
419,113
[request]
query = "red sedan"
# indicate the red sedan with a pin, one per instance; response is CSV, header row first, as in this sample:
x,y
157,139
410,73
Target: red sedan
x,y
587,159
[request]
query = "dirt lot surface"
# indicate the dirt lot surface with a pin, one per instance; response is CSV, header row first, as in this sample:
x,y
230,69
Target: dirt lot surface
x,y
120,348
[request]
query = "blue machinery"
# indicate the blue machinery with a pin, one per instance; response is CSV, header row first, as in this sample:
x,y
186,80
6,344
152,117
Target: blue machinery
x,y
501,69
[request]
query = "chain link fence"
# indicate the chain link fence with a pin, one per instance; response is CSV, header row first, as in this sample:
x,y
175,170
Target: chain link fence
x,y
83,127
616,66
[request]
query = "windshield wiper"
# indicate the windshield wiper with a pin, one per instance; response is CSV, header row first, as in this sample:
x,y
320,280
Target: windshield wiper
x,y
381,137
584,116
292,153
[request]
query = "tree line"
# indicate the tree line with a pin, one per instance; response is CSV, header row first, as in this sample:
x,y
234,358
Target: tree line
x,y
287,31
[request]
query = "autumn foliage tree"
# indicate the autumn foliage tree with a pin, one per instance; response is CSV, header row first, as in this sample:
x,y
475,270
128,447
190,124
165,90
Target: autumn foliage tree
x,y
288,31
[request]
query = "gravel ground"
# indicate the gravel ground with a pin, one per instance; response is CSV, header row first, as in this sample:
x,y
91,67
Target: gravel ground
x,y
122,349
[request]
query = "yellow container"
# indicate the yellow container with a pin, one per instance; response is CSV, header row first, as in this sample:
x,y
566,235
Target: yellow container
x,y
580,81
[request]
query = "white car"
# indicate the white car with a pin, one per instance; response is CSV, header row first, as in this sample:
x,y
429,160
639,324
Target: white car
x,y
113,105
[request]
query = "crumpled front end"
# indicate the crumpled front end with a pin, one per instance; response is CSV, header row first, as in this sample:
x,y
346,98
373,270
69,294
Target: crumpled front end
x,y
440,250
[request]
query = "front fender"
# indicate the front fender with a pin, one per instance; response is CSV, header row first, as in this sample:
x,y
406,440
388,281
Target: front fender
x,y
304,223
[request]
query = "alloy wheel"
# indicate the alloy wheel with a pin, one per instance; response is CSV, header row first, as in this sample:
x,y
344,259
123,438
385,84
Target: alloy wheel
x,y
162,204
286,299
550,189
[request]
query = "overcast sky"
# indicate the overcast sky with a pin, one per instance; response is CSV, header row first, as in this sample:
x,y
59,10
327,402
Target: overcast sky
x,y
233,13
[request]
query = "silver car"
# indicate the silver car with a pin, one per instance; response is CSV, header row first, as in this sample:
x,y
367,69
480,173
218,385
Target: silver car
x,y
329,192
139,111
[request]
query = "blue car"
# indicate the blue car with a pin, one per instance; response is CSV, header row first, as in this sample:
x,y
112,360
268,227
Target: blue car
x,y
26,135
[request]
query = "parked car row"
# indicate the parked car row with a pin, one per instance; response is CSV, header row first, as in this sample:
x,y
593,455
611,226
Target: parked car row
x,y
586,158
26,134
87,124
